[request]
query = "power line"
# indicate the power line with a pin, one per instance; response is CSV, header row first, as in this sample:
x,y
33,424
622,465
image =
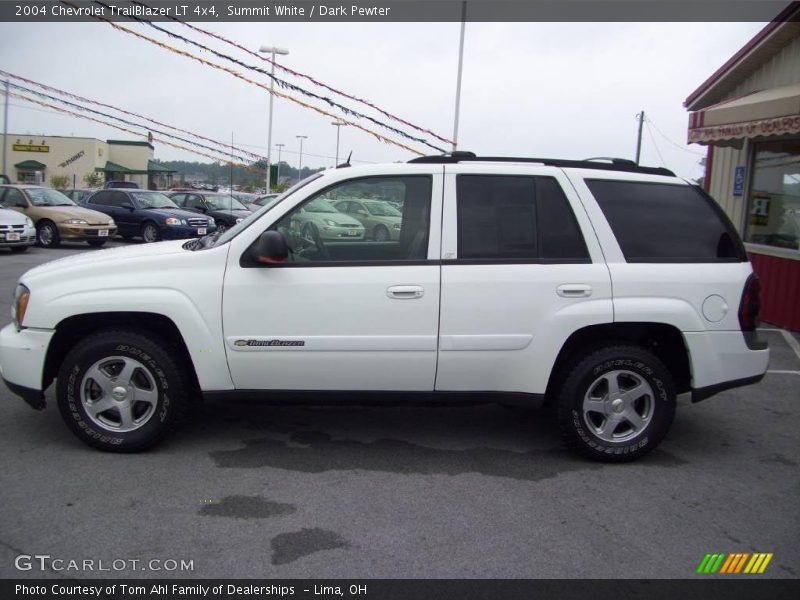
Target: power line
x,y
653,139
281,82
678,146
302,75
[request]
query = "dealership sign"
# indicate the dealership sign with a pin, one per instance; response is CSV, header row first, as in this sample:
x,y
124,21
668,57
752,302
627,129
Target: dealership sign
x,y
30,148
747,129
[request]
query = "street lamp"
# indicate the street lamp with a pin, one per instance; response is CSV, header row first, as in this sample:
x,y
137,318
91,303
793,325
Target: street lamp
x,y
300,170
273,51
338,125
278,174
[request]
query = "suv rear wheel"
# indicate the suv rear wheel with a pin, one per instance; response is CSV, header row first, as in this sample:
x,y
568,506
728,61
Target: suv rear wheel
x,y
616,404
121,391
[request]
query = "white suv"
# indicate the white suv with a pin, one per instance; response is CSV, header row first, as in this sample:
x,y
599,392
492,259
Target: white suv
x,y
602,290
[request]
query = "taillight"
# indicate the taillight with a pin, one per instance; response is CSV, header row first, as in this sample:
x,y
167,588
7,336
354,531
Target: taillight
x,y
750,304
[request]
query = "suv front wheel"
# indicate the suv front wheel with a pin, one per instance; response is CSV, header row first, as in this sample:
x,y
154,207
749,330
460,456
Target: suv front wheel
x,y
617,403
121,390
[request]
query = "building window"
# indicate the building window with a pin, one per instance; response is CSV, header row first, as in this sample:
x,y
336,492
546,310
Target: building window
x,y
773,217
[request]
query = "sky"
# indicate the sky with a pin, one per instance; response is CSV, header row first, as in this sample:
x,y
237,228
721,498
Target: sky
x,y
560,90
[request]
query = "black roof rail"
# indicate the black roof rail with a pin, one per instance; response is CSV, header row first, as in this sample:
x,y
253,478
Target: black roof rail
x,y
616,164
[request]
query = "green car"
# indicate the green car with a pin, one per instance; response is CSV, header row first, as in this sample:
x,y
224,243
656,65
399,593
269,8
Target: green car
x,y
381,220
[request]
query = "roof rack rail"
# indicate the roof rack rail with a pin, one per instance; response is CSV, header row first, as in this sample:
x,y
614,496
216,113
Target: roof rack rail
x,y
615,164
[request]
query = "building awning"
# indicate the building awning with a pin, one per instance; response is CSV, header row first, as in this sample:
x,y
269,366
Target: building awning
x,y
30,165
154,167
766,113
112,167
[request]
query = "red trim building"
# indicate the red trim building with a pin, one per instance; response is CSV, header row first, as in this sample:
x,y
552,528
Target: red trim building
x,y
747,113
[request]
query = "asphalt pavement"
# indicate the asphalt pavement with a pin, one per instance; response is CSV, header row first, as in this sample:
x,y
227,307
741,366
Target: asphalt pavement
x,y
247,490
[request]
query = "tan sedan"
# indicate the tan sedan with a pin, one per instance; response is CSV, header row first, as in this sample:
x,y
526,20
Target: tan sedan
x,y
57,218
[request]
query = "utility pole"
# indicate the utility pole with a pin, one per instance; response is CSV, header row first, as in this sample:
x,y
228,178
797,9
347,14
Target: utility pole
x,y
273,51
460,69
5,131
278,174
338,125
300,170
639,137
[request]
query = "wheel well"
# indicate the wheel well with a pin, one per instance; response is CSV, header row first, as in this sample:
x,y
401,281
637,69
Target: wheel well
x,y
665,341
71,330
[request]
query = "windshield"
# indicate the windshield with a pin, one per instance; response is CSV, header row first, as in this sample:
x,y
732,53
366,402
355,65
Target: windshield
x,y
215,239
382,209
153,200
223,202
48,197
318,205
244,197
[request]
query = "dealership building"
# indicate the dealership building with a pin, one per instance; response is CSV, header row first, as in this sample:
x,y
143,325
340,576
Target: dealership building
x,y
747,113
37,159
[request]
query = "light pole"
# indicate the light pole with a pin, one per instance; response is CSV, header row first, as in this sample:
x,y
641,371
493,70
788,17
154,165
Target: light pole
x,y
460,69
338,125
273,51
278,174
300,170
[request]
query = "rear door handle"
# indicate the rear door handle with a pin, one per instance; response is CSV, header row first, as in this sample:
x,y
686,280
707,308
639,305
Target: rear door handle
x,y
574,290
405,292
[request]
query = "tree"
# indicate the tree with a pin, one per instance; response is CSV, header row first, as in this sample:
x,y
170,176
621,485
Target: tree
x,y
93,179
59,182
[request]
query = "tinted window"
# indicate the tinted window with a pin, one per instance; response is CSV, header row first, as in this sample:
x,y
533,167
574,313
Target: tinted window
x,y
13,197
103,198
658,222
516,217
319,231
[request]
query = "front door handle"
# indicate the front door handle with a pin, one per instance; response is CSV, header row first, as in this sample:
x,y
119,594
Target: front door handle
x,y
574,290
405,292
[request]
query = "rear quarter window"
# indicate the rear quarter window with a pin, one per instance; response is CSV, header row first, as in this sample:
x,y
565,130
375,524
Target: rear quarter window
x,y
662,222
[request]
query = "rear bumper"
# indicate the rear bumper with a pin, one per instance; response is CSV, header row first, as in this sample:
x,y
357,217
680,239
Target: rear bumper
x,y
22,355
722,360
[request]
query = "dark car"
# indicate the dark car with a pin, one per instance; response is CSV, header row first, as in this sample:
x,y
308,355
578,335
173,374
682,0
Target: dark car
x,y
151,215
121,184
223,208
262,201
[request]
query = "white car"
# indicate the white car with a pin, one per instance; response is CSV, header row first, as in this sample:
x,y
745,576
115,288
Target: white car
x,y
605,290
17,232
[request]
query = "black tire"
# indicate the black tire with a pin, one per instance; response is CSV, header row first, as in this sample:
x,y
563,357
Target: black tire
x,y
587,376
18,249
381,234
150,232
47,235
169,379
96,243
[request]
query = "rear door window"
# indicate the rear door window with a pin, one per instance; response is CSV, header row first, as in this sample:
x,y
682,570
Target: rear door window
x,y
661,222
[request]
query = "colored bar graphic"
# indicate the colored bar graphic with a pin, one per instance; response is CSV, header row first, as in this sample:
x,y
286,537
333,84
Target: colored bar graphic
x,y
718,563
741,562
723,563
764,564
702,567
727,564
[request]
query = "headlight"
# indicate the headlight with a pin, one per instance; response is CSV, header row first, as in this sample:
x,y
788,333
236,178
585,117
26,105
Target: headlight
x,y
29,221
211,222
239,221
184,222
77,222
111,223
329,222
173,221
396,226
20,305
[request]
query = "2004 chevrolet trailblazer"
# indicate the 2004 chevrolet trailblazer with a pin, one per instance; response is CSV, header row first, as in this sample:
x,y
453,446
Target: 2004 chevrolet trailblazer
x,y
604,290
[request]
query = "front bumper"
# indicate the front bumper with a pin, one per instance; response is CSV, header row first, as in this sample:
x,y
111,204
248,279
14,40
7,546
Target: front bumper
x,y
27,237
85,232
22,356
329,232
184,232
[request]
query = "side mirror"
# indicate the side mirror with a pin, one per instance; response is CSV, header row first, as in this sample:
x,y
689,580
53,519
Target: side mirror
x,y
201,208
270,248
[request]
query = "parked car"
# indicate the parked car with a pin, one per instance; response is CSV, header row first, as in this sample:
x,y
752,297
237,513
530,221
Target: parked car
x,y
261,201
381,220
604,291
121,184
224,209
17,232
57,218
320,219
79,195
150,215
245,198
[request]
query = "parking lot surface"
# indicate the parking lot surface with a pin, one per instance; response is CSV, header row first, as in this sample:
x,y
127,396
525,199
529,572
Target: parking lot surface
x,y
248,490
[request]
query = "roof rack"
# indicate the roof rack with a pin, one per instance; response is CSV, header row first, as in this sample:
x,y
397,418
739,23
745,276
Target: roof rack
x,y
615,164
